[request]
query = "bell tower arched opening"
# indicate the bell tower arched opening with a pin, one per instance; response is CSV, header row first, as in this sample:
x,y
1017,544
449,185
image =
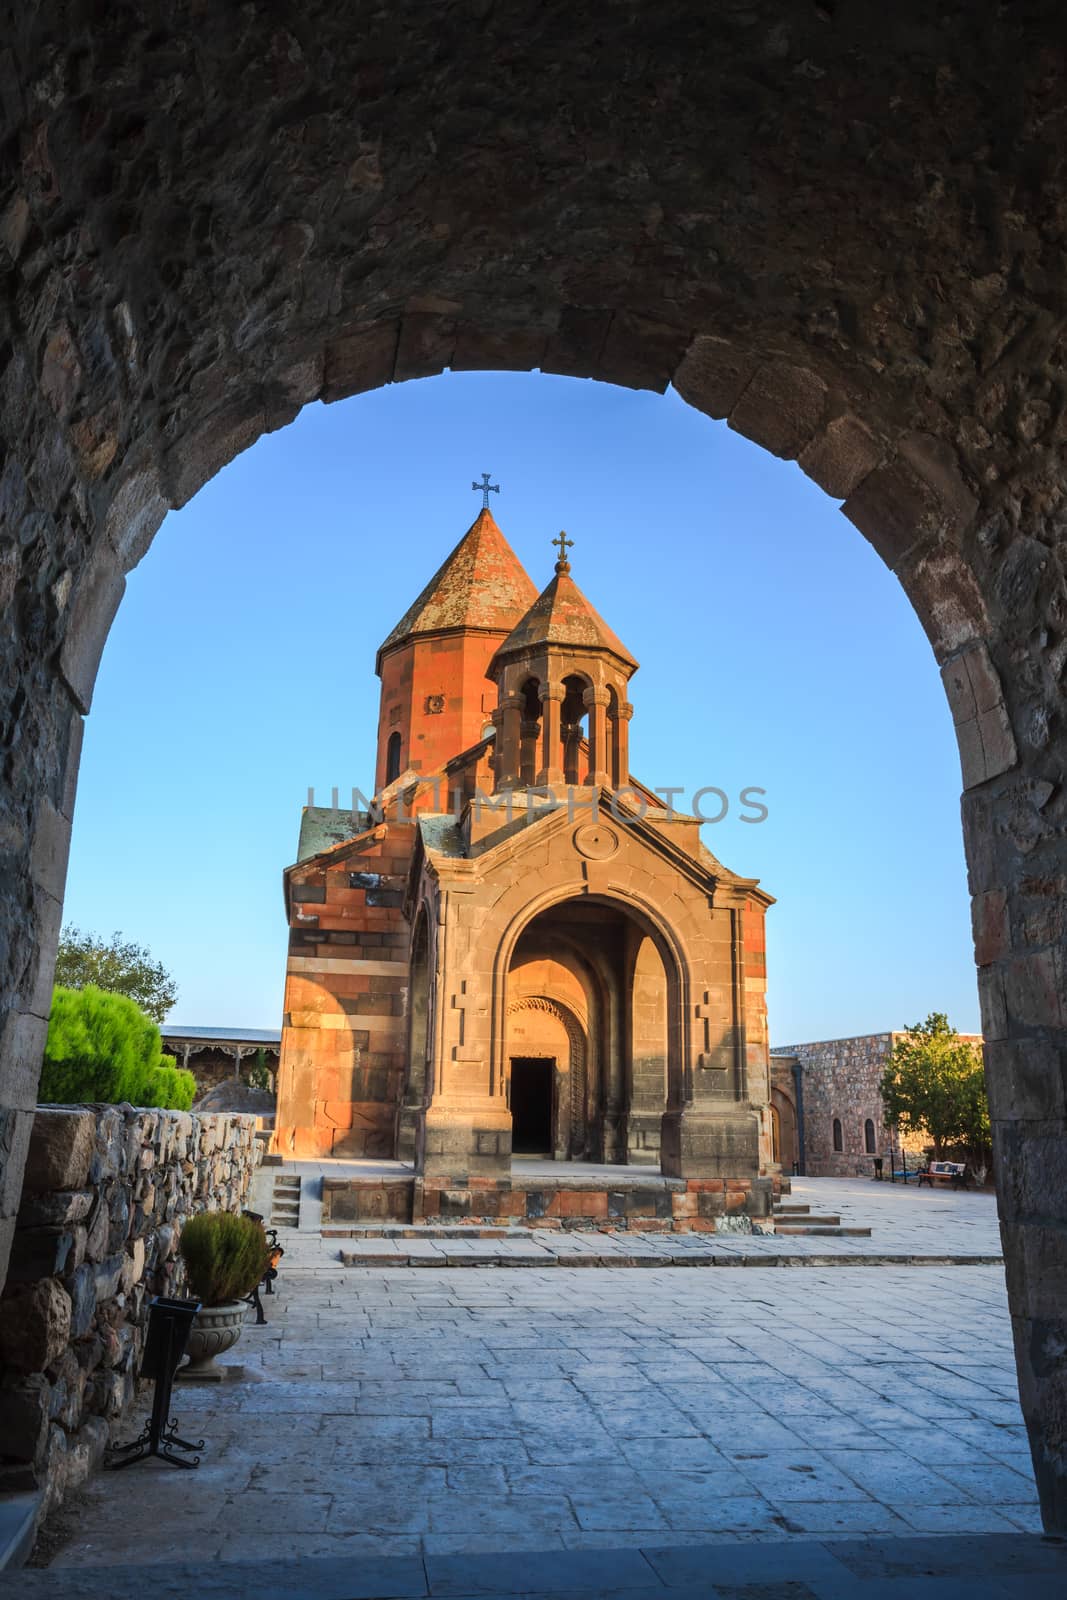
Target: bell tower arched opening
x,y
572,726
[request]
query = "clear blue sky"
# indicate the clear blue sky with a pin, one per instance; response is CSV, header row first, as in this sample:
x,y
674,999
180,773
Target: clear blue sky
x,y
776,651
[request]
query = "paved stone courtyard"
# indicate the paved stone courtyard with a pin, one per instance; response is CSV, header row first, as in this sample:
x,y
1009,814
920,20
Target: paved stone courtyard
x,y
422,1411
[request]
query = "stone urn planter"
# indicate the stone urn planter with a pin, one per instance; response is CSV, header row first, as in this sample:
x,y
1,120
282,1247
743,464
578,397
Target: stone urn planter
x,y
225,1256
215,1330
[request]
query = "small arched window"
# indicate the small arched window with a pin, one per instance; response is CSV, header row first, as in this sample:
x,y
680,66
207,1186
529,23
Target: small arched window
x,y
392,758
868,1137
839,1143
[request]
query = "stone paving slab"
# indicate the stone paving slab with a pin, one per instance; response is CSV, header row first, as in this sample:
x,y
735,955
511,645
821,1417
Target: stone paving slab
x,y
403,1412
414,1412
440,1256
991,1568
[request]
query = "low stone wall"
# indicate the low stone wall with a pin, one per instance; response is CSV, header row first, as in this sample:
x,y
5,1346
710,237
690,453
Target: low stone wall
x,y
106,1191
669,1205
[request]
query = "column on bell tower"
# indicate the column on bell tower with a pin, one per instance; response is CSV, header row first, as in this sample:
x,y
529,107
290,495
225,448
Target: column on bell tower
x,y
597,773
619,714
550,772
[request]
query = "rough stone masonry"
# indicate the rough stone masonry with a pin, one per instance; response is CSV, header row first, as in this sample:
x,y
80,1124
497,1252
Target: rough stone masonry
x,y
106,1193
841,228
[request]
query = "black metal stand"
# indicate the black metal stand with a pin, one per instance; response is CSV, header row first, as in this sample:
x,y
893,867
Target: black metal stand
x,y
169,1322
271,1273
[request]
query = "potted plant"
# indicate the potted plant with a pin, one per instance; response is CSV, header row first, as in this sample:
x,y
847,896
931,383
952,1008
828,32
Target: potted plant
x,y
225,1256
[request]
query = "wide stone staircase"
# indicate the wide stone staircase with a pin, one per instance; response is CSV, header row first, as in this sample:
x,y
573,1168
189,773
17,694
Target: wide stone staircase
x,y
798,1219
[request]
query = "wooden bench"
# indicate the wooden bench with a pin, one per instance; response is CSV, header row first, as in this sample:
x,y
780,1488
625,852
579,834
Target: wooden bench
x,y
954,1172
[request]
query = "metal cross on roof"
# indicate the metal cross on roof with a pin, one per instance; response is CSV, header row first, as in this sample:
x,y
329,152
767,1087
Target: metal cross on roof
x,y
487,489
563,543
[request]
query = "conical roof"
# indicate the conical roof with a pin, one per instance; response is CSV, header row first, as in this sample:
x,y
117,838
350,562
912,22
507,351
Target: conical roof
x,y
482,585
562,616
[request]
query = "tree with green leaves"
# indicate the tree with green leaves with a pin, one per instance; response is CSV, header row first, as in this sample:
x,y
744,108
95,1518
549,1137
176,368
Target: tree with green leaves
x,y
934,1083
117,965
102,1047
259,1073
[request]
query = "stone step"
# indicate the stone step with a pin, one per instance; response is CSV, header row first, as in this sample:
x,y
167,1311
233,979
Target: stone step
x,y
285,1201
422,1230
829,1220
910,1564
789,1211
822,1231
20,1513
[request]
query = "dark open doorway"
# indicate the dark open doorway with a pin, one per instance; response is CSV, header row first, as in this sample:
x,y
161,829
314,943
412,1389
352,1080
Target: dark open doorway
x,y
531,1105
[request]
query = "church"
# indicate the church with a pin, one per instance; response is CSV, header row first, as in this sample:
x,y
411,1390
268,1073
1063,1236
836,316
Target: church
x,y
518,950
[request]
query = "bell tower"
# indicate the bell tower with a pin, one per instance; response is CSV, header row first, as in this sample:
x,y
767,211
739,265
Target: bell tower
x,y
562,678
436,699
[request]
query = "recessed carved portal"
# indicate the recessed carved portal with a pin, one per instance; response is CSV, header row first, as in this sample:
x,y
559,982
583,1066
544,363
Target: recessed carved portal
x,y
588,990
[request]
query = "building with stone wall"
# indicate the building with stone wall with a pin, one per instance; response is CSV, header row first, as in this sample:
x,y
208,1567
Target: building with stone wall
x,y
521,950
106,1193
213,1055
829,1090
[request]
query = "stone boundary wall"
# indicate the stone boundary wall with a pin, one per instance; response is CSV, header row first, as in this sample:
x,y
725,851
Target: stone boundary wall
x,y
105,1194
841,1078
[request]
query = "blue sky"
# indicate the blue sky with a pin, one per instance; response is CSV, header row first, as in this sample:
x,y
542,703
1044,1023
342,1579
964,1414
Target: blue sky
x,y
777,651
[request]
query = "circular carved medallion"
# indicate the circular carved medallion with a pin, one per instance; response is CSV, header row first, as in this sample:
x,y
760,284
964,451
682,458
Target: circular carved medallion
x,y
595,841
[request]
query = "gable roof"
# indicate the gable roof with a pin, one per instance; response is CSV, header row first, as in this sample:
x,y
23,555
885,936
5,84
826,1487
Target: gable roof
x,y
561,615
482,586
442,844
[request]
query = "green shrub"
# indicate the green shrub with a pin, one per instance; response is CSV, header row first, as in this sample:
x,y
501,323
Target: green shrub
x,y
169,1085
102,1046
225,1256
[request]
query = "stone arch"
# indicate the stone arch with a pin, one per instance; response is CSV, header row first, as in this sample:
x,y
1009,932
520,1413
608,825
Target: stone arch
x,y
786,1116
576,1081
776,1133
671,951
529,729
392,759
161,314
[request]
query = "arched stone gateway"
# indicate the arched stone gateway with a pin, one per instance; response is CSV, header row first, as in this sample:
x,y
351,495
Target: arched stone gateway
x,y
841,228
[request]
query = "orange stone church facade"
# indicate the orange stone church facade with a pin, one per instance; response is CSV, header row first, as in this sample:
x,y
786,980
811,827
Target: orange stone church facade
x,y
520,949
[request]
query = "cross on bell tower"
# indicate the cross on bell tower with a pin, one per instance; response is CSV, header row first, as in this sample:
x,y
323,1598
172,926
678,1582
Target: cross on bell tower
x,y
563,565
